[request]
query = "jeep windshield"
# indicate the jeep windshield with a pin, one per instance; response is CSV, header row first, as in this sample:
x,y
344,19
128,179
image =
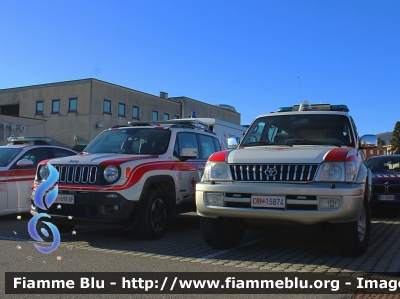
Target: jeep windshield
x,y
145,141
300,129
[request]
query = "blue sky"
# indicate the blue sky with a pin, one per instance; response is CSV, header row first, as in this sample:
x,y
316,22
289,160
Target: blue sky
x,y
255,55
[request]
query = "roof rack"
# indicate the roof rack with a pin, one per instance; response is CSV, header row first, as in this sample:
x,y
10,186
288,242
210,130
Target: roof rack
x,y
176,123
29,139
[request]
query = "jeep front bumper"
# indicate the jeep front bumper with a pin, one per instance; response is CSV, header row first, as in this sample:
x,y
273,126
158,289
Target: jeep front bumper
x,y
302,201
99,208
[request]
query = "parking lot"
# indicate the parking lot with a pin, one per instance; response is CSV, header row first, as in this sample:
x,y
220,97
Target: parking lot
x,y
291,249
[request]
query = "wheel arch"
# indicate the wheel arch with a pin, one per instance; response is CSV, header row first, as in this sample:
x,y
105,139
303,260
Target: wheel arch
x,y
164,183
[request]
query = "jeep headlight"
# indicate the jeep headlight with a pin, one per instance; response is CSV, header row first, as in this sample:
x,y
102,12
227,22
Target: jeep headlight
x,y
337,172
216,171
111,174
43,172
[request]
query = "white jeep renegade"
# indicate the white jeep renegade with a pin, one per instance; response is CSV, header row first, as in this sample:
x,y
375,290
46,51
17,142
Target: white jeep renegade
x,y
135,175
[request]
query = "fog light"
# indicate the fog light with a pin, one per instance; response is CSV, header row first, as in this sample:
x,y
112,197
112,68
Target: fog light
x,y
116,208
328,203
215,199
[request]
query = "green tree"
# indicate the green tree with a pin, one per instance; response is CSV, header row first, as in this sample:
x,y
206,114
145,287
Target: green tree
x,y
381,141
395,141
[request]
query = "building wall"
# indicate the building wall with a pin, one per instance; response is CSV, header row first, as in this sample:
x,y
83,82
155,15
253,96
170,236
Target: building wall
x,y
204,110
19,126
68,128
380,150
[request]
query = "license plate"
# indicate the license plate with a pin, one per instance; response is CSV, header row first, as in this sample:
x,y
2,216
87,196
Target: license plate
x,y
65,199
387,197
268,201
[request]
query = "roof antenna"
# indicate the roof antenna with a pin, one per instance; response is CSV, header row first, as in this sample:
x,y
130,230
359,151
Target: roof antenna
x,y
298,77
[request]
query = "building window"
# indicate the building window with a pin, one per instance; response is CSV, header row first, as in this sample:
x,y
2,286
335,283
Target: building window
x,y
121,109
12,110
39,108
55,106
166,116
107,107
155,115
73,104
135,112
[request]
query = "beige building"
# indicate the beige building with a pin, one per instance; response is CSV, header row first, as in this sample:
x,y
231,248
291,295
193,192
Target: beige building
x,y
77,111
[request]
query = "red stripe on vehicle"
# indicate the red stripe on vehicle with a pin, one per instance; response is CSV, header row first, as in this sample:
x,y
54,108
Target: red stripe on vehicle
x,y
219,156
21,172
136,175
341,155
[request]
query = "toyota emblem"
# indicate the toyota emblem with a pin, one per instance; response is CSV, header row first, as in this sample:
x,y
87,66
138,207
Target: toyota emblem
x,y
270,171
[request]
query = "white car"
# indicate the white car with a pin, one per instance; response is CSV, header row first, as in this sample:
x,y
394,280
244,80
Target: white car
x,y
18,162
302,165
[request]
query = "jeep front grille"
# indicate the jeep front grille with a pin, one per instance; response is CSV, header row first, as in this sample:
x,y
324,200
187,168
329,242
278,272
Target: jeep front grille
x,y
273,172
76,174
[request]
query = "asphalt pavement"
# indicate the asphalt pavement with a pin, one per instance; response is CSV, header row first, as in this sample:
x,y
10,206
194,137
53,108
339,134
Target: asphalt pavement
x,y
299,250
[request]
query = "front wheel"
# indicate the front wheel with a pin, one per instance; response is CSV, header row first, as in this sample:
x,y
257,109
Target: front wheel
x,y
152,222
222,233
352,238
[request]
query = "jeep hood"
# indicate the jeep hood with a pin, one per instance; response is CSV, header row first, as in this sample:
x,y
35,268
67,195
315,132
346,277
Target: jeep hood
x,y
99,159
282,154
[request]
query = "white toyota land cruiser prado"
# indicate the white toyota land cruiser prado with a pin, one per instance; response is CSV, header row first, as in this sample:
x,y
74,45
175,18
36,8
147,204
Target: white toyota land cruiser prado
x,y
302,164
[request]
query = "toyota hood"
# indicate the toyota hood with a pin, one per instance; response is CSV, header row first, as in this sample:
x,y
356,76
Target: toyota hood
x,y
289,155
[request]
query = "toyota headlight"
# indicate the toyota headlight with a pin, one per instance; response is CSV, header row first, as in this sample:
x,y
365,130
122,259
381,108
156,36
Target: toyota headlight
x,y
43,172
216,171
337,172
111,174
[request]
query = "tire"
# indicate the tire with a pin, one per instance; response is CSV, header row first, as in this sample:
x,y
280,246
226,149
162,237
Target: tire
x,y
153,219
352,238
222,233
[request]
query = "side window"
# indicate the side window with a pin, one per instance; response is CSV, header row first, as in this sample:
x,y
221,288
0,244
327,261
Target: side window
x,y
257,132
207,146
217,145
185,140
176,149
59,153
35,155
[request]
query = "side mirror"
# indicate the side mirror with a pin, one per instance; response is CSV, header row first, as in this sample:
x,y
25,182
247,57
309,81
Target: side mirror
x,y
368,141
233,142
188,153
24,163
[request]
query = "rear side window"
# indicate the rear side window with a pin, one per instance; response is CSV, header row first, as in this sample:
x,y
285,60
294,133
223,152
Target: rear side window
x,y
185,140
59,153
207,146
217,144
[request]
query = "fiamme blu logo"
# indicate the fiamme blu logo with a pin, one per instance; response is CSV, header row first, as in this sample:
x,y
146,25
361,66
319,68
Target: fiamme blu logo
x,y
43,201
